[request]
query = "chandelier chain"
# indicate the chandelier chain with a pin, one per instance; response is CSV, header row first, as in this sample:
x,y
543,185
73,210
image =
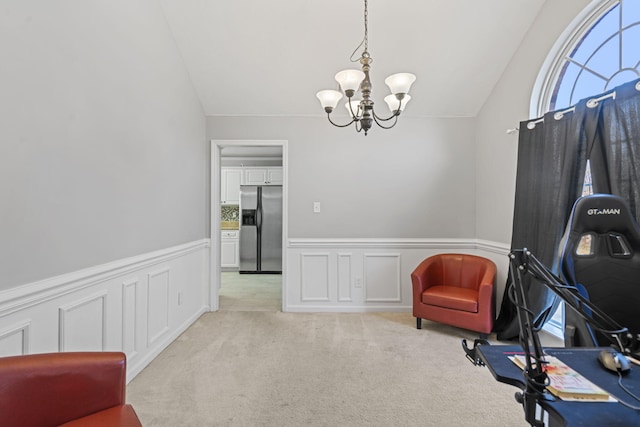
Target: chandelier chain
x,y
366,26
365,40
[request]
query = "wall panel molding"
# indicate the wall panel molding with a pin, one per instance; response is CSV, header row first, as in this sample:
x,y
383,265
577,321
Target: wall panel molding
x,y
83,325
382,278
15,339
129,305
344,277
314,277
130,336
368,274
159,285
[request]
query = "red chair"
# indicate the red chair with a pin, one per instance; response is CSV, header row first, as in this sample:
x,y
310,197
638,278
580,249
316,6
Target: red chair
x,y
455,289
65,389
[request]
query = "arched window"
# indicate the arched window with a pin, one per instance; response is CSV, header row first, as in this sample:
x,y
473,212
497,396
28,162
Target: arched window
x,y
600,54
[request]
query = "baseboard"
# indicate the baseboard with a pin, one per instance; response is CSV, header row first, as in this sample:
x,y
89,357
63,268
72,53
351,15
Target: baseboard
x,y
347,309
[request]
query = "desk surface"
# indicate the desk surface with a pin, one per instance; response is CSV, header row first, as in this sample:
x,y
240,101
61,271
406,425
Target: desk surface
x,y
585,361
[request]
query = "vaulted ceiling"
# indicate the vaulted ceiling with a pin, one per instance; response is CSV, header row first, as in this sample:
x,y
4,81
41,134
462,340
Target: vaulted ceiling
x,y
269,58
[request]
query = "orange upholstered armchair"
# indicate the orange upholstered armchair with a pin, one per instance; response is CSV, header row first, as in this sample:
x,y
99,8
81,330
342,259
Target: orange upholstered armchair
x,y
455,289
65,389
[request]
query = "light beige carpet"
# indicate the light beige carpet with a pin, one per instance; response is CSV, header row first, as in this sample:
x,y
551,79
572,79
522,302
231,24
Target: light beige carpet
x,y
268,368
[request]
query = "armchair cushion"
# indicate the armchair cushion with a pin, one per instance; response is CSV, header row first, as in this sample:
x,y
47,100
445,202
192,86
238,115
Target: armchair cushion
x,y
452,297
121,415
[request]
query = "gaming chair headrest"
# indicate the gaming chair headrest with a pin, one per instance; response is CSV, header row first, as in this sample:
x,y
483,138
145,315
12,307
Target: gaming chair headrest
x,y
602,213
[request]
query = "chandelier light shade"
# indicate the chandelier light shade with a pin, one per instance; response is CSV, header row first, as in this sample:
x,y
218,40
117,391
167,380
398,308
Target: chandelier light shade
x,y
394,103
329,99
351,81
400,83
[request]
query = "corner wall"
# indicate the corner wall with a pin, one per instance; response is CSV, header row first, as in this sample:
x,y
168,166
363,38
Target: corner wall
x,y
103,152
505,108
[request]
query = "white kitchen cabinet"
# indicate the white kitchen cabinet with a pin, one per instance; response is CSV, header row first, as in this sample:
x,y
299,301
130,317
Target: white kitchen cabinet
x,y
263,176
230,249
230,181
274,176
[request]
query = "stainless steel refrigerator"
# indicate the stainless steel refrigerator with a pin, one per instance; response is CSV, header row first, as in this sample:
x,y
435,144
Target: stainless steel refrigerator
x,y
261,229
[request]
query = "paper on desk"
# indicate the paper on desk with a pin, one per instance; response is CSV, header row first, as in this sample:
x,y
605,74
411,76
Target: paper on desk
x,y
565,382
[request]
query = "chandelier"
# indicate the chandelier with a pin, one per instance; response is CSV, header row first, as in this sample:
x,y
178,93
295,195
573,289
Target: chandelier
x,y
349,81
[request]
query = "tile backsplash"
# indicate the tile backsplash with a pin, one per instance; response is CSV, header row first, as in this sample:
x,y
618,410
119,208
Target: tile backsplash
x,y
230,212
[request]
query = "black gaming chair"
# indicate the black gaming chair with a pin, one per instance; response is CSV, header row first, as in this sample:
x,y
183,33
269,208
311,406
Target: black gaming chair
x,y
600,254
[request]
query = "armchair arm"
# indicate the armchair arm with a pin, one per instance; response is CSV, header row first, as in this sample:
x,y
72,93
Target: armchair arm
x,y
486,288
51,389
420,277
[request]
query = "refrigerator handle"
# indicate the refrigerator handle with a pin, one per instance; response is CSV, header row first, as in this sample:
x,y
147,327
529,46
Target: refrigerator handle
x,y
259,218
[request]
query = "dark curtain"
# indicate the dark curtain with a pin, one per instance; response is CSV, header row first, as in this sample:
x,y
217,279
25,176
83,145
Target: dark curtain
x,y
551,166
615,153
550,174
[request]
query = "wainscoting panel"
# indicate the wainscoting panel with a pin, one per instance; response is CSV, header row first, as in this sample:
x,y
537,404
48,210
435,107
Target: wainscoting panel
x,y
344,277
129,319
382,278
355,275
158,306
314,277
15,340
83,325
137,305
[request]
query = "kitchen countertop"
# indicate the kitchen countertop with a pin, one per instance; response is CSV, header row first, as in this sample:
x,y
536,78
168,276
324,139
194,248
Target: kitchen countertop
x,y
230,225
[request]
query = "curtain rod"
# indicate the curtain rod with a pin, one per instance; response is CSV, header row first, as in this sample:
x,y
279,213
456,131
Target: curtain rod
x,y
592,103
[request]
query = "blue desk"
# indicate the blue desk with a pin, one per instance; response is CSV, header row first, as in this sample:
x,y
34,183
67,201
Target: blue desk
x,y
584,361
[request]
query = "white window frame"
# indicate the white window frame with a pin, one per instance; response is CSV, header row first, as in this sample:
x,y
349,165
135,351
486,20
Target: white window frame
x,y
555,60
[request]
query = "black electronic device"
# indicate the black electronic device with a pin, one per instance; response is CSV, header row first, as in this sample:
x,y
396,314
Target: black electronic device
x,y
614,361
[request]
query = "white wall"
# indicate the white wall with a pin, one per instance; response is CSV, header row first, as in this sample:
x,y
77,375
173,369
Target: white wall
x,y
417,180
103,152
505,108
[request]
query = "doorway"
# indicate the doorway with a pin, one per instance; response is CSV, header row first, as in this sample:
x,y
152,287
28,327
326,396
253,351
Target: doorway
x,y
250,292
228,289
